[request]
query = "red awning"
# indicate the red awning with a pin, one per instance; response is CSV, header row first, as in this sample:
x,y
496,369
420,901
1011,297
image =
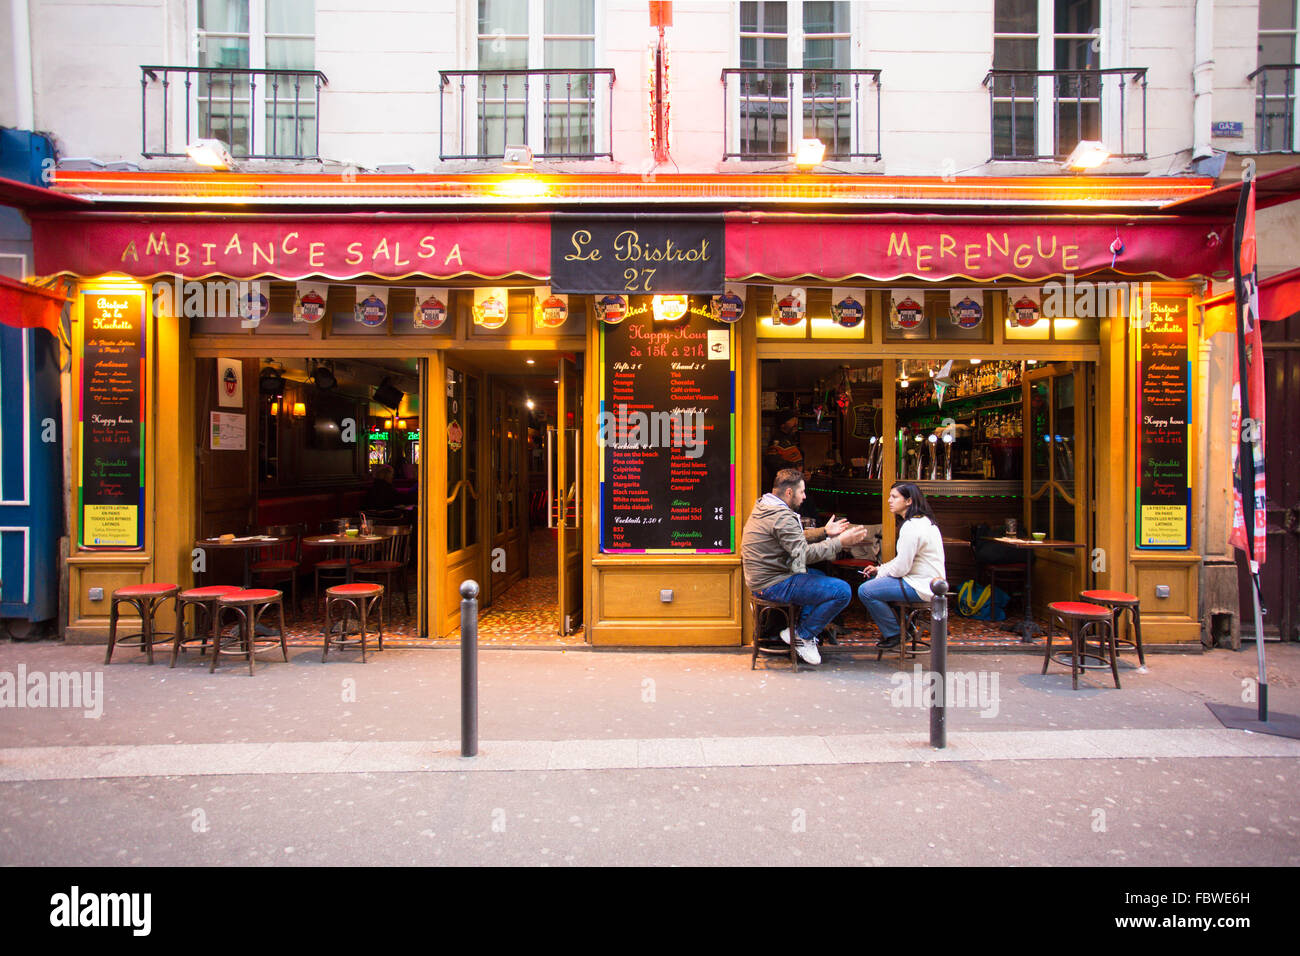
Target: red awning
x,y
931,248
346,246
1271,189
1279,298
24,306
25,196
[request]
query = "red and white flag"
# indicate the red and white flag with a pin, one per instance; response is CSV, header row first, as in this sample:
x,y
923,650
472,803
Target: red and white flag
x,y
1248,492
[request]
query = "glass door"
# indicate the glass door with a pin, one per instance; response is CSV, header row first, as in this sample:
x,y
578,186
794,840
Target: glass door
x,y
564,493
463,490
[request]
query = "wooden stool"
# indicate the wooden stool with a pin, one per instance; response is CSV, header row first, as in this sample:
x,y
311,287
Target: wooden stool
x,y
1010,577
361,599
1119,602
908,632
202,600
146,599
759,609
248,606
1077,617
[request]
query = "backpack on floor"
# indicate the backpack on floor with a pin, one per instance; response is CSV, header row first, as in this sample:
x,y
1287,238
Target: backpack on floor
x,y
986,604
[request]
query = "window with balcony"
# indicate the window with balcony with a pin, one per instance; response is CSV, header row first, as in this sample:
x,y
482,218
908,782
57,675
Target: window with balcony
x,y
1048,89
796,81
253,85
536,84
1275,77
240,104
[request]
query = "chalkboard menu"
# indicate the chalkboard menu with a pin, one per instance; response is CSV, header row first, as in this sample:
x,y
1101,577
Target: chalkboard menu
x,y
1164,406
111,421
666,433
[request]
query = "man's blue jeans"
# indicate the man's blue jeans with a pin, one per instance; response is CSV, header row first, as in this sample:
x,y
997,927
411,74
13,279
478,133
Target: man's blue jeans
x,y
819,596
875,595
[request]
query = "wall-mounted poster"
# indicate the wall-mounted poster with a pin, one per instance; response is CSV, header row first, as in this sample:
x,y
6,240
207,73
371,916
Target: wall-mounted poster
x,y
906,308
789,304
1163,499
966,307
110,487
372,305
848,307
490,307
309,301
230,383
729,306
1026,307
430,308
228,432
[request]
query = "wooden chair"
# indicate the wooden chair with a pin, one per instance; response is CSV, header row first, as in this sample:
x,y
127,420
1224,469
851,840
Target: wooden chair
x,y
334,566
280,563
388,559
760,608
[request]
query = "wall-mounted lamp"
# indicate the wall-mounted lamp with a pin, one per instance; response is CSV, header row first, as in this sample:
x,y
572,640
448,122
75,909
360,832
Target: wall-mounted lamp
x,y
1089,154
212,153
808,153
517,157
299,410
275,409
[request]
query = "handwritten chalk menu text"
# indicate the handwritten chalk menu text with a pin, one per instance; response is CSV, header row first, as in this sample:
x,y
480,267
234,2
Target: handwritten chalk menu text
x,y
636,256
666,433
1164,406
111,421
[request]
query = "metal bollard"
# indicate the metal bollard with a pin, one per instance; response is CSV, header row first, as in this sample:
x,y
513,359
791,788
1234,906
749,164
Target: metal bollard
x,y
469,669
939,662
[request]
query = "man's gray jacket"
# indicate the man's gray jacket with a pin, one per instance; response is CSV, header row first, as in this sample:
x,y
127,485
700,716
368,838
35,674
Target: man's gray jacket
x,y
773,546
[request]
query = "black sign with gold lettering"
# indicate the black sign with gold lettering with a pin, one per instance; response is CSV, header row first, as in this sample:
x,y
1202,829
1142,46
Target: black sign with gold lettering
x,y
636,256
1164,416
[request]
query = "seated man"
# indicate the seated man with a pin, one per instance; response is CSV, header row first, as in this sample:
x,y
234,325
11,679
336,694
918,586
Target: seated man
x,y
775,554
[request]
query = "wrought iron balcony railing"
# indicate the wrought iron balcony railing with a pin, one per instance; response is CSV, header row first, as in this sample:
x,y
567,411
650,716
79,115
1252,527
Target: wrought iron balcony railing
x,y
774,108
1275,89
1043,114
258,114
560,114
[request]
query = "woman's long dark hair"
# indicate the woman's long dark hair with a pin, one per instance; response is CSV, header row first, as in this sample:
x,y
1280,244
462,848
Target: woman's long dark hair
x,y
917,505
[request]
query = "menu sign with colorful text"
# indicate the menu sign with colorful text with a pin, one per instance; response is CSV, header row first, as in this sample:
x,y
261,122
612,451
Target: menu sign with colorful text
x,y
666,433
1163,502
111,421
637,256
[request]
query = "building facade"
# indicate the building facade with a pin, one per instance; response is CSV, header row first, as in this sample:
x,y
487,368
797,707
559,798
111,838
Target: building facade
x,y
472,157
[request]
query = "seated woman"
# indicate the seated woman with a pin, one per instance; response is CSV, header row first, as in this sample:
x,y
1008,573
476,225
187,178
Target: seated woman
x,y
919,560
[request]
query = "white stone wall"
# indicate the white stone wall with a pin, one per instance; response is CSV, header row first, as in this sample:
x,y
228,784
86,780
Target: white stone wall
x,y
382,60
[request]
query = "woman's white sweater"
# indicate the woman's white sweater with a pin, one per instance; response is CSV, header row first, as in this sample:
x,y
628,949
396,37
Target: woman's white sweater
x,y
920,556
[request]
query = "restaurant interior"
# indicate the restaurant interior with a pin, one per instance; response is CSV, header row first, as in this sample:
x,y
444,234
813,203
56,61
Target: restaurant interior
x,y
960,430
338,444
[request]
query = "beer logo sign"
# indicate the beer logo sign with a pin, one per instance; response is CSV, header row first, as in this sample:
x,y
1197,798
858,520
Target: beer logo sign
x,y
611,309
847,312
908,313
310,307
553,312
490,313
430,313
230,381
253,307
1025,312
966,312
789,305
727,307
372,311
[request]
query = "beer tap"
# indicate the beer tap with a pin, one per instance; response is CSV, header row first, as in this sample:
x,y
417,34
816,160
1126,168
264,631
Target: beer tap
x,y
948,438
933,442
918,451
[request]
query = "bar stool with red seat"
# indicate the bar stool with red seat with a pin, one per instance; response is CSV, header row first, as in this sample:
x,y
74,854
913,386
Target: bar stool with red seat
x,y
361,598
760,609
1119,602
1077,617
248,606
146,599
204,602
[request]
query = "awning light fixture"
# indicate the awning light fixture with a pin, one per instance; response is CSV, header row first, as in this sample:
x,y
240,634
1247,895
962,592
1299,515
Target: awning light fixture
x,y
1089,154
809,154
517,157
212,153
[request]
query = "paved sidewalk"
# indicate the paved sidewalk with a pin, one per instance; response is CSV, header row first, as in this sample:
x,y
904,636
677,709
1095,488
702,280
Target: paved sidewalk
x,y
628,757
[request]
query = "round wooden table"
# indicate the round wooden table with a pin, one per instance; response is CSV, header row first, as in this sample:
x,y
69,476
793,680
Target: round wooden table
x,y
247,544
345,541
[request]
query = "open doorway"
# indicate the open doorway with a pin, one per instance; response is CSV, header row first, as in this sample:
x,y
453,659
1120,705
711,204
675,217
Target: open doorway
x,y
293,452
526,490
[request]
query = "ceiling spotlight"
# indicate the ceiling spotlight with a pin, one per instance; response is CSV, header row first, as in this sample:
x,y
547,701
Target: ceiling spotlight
x,y
388,394
324,378
271,381
212,153
530,361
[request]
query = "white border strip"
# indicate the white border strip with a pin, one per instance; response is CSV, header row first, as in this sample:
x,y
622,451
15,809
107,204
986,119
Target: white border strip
x,y
25,500
27,559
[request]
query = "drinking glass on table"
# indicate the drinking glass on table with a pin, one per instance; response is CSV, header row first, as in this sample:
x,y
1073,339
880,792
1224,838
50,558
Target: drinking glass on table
x,y
1012,527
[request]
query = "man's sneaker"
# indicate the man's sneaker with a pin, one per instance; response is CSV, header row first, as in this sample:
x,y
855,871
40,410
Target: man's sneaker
x,y
785,634
807,651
